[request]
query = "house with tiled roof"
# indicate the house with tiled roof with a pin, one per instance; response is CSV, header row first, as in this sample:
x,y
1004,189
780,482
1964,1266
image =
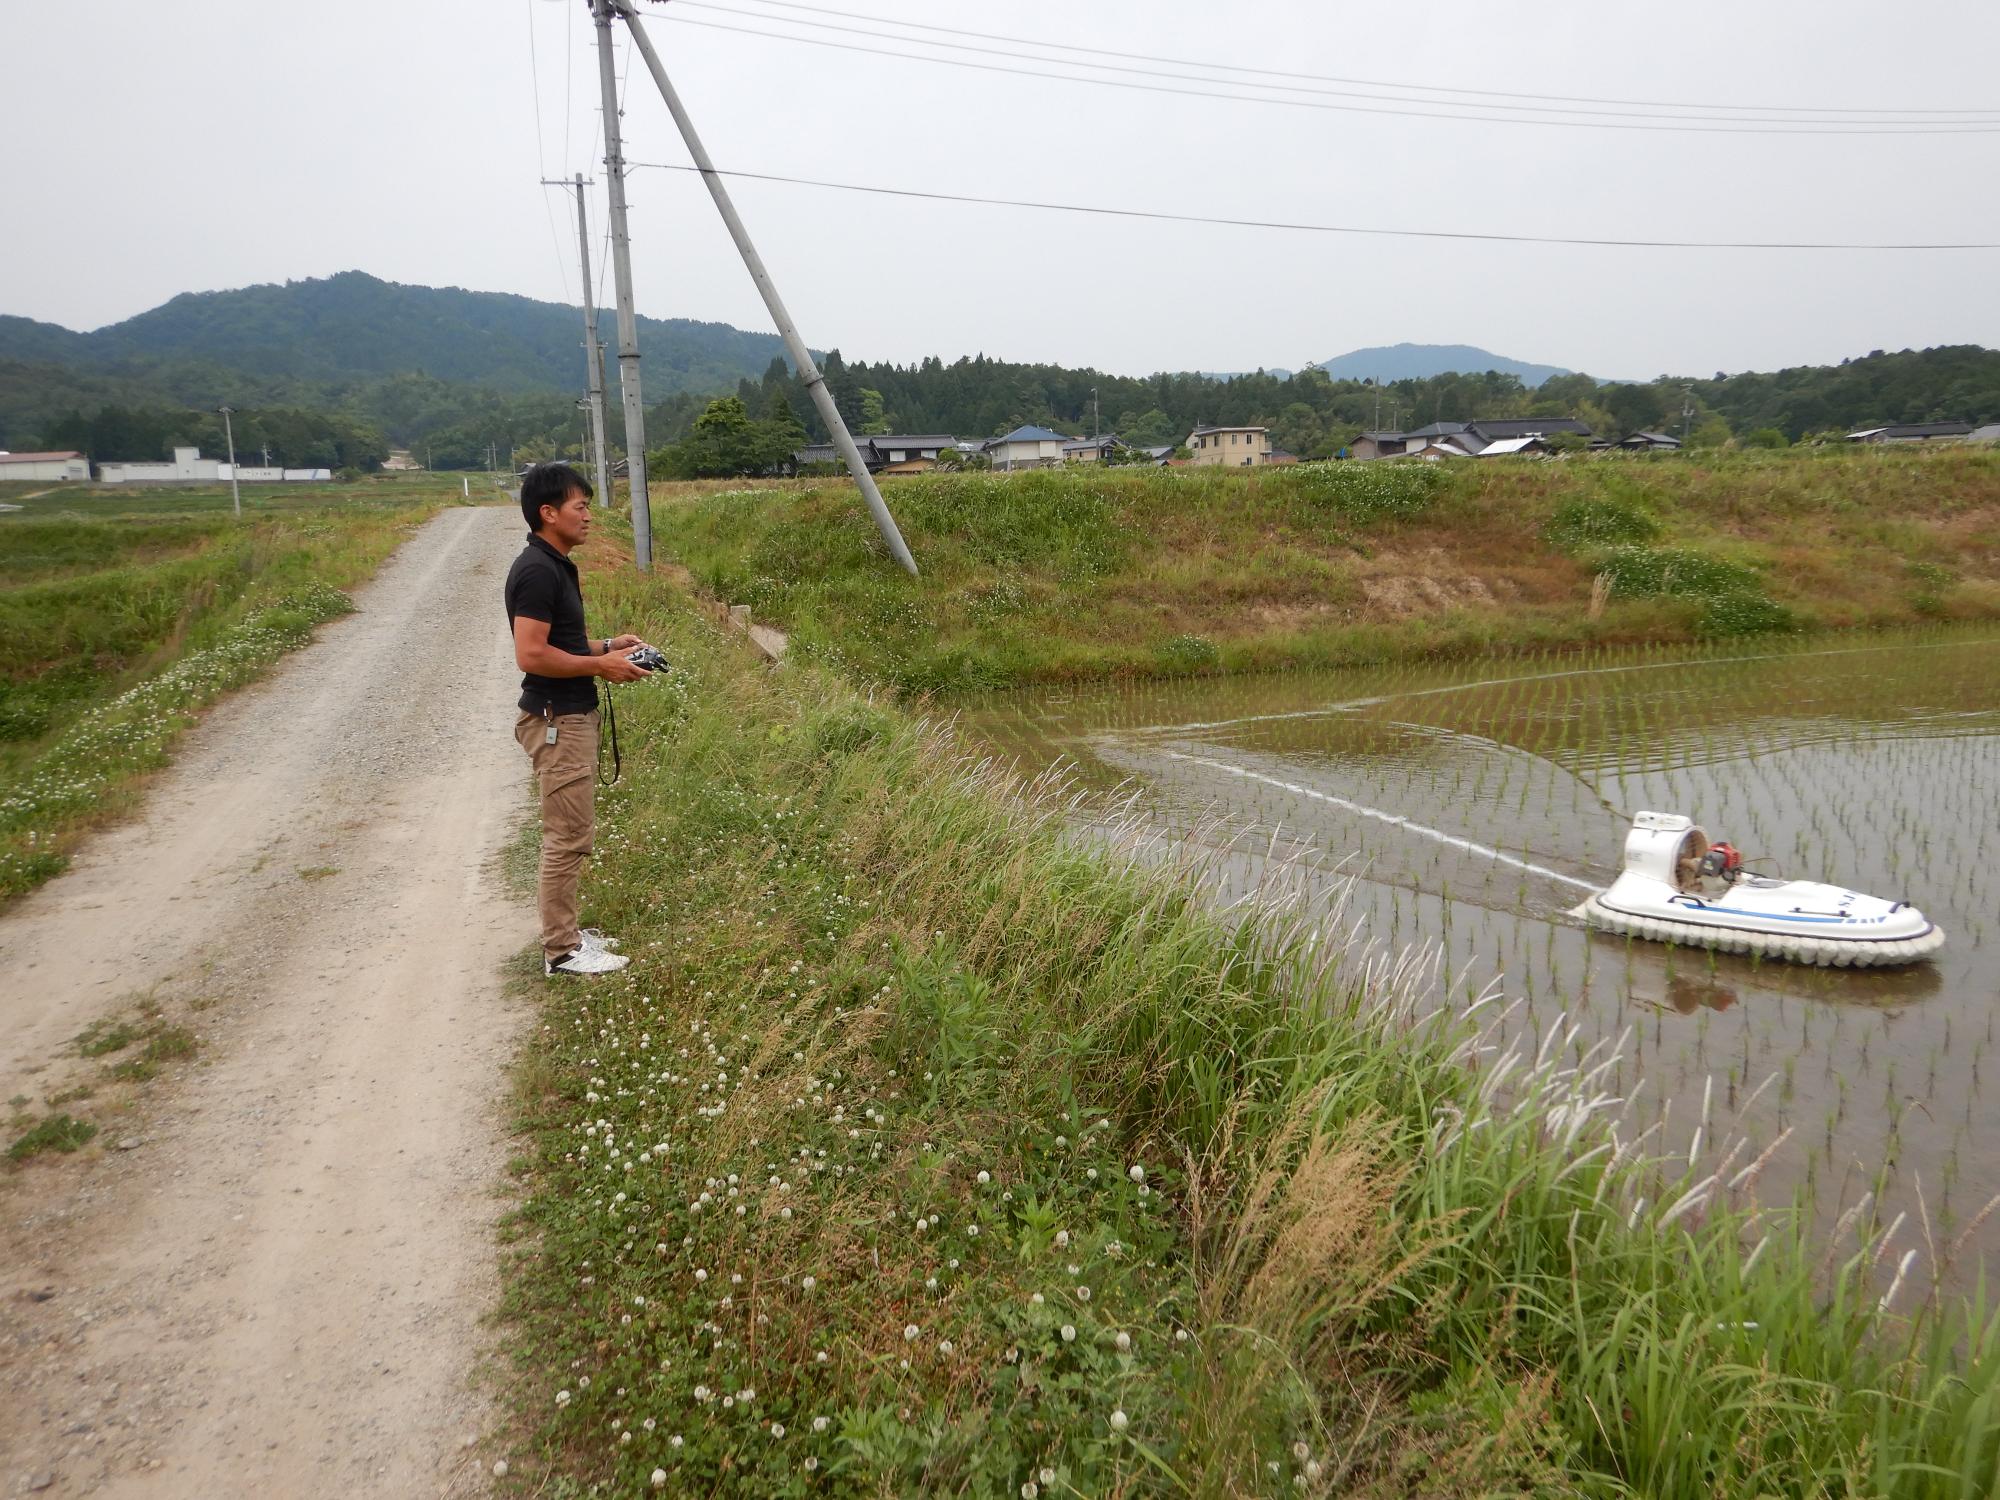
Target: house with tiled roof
x,y
1026,447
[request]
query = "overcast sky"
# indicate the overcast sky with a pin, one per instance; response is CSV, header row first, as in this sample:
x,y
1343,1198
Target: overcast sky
x,y
154,148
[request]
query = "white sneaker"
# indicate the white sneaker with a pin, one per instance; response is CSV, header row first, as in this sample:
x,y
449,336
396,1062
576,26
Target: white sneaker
x,y
594,941
584,961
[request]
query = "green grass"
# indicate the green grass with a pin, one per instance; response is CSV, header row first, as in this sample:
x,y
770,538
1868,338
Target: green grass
x,y
164,1045
892,1027
122,614
1071,575
58,1132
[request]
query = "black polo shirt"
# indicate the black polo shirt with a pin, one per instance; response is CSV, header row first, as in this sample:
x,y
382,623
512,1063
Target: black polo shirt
x,y
542,585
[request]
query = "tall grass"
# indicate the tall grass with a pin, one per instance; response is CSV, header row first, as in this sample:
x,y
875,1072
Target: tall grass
x,y
894,1027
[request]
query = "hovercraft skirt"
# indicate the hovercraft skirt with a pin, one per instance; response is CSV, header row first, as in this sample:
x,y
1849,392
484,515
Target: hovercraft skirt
x,y
1841,953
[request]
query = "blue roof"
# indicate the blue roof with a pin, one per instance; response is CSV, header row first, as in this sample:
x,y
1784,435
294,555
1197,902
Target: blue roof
x,y
1032,435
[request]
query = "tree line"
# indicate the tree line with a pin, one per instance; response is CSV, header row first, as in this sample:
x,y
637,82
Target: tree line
x,y
1315,416
450,425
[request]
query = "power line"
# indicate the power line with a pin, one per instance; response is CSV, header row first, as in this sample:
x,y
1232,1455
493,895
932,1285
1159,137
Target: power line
x,y
933,60
1421,234
1400,94
1357,82
541,155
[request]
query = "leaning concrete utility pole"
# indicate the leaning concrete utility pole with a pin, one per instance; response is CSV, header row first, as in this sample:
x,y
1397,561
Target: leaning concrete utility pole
x,y
601,12
794,345
229,432
593,350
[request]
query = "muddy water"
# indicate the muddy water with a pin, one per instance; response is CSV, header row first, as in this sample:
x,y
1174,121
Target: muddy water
x,y
1473,806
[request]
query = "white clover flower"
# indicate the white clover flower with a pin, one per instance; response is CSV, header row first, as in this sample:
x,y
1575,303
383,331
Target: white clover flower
x,y
1029,1489
819,1424
807,1283
674,1441
1301,1452
562,1398
1119,1421
1123,1341
659,1479
910,1331
1180,1335
1083,1294
1047,1476
499,1468
811,1464
1136,1172
1313,1470
1091,1173
984,1178
1069,1333
701,1275
1062,1239
1038,1299
820,1358
777,1429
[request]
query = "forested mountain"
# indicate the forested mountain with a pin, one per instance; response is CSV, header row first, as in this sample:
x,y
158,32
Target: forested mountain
x,y
353,326
1421,361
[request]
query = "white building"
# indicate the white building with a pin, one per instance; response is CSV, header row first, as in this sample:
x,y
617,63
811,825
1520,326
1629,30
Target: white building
x,y
187,467
58,466
1027,448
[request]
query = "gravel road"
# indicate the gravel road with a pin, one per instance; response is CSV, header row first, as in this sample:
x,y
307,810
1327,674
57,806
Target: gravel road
x,y
270,1279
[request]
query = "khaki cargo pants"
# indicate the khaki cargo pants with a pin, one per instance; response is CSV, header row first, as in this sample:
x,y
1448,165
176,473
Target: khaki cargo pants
x,y
567,771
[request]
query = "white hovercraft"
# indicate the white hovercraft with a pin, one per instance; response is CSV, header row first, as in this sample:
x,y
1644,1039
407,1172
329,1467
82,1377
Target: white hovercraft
x,y
1679,888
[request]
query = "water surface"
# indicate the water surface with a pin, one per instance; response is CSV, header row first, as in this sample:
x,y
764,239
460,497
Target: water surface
x,y
1474,805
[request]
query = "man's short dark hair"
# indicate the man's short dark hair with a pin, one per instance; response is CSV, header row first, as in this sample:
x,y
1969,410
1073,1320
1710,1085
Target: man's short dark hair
x,y
549,484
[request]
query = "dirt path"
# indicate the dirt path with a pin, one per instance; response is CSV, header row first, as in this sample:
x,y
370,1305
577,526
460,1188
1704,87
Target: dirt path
x,y
275,1287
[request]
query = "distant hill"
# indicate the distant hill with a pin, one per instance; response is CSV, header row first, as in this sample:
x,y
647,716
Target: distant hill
x,y
355,326
1421,361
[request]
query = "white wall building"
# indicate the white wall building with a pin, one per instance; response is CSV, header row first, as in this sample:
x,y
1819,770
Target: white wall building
x,y
189,467
186,467
1027,448
61,467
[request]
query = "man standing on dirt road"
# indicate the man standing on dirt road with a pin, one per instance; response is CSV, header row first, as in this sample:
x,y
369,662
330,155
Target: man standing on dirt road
x,y
558,720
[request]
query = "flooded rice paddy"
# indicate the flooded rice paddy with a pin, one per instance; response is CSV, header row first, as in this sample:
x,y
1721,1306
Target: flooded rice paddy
x,y
1472,806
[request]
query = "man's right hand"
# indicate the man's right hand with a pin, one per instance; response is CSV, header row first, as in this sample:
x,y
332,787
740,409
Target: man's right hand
x,y
615,666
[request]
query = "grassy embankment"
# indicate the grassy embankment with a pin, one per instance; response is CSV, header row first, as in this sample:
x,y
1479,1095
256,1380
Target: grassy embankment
x,y
925,1151
1071,575
122,613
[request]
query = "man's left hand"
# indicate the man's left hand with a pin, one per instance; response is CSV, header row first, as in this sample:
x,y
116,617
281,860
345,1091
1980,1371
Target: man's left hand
x,y
623,643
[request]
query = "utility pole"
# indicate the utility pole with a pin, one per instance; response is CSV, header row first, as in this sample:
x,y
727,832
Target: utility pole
x,y
593,351
1687,412
1096,429
229,432
601,12
802,359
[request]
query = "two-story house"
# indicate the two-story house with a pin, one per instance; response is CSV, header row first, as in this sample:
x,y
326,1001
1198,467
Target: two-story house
x,y
1236,447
